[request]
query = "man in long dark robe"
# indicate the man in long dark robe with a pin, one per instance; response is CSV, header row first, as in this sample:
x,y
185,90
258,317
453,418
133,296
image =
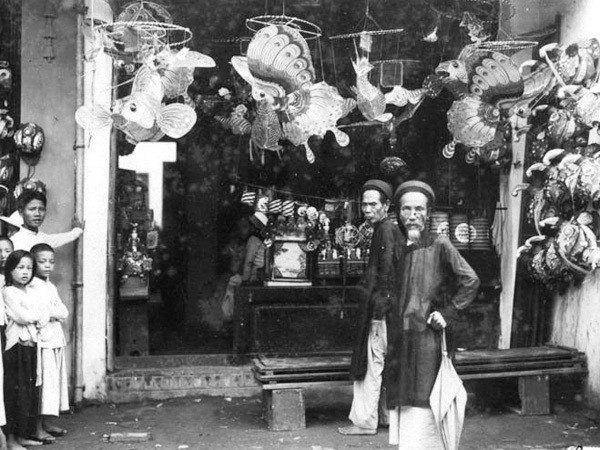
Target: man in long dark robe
x,y
370,348
434,282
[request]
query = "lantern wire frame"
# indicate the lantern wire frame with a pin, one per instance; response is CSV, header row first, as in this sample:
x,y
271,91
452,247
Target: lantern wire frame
x,y
152,23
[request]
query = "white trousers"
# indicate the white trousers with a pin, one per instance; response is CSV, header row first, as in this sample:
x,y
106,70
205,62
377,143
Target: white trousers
x,y
414,428
365,402
54,394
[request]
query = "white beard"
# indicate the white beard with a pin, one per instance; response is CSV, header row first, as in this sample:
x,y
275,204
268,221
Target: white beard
x,y
414,234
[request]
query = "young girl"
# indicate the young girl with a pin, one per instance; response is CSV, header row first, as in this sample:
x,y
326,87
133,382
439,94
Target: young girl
x,y
6,249
23,318
54,396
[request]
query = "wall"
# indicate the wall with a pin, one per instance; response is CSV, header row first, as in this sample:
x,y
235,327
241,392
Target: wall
x,y
576,316
48,98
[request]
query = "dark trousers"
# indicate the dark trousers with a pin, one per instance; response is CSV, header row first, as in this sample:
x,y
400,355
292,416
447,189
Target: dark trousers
x,y
21,396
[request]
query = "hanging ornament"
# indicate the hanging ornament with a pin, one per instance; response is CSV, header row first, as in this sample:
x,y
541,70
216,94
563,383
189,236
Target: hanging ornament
x,y
275,206
29,139
248,197
5,77
142,30
6,124
29,184
449,149
7,168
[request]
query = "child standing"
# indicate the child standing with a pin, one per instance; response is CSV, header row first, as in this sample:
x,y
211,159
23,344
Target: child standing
x,y
6,248
54,395
23,318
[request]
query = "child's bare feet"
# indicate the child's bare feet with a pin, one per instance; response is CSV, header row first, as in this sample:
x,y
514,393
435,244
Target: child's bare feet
x,y
55,431
16,443
3,445
41,434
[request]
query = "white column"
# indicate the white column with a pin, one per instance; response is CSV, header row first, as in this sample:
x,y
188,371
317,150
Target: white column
x,y
98,89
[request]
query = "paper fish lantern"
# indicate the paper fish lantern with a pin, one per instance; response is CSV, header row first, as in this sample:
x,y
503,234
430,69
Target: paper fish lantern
x,y
29,139
176,69
141,116
279,68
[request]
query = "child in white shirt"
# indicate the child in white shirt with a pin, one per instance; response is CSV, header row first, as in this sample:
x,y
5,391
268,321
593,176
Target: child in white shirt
x,y
6,248
52,365
24,315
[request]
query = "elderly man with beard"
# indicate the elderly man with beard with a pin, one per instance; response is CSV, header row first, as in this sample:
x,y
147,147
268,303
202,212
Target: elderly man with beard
x,y
370,348
434,282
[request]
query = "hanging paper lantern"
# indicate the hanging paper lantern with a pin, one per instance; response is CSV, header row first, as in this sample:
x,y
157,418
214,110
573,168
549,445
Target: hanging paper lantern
x,y
248,197
30,141
480,234
29,184
275,206
438,223
287,208
7,168
449,150
459,231
6,77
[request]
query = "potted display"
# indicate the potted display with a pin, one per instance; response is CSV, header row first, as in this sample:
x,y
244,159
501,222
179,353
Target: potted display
x,y
134,267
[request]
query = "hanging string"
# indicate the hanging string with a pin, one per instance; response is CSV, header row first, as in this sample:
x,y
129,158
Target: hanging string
x,y
320,48
294,194
334,65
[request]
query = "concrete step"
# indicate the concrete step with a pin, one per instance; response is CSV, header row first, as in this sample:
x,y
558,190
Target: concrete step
x,y
160,381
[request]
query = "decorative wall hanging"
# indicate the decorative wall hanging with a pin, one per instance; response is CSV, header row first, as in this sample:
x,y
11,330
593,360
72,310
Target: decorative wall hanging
x,y
566,181
50,15
29,139
29,184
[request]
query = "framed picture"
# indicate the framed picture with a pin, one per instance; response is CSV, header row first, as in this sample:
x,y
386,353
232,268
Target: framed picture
x,y
288,261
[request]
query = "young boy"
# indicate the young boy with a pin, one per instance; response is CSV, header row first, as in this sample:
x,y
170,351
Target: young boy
x,y
54,396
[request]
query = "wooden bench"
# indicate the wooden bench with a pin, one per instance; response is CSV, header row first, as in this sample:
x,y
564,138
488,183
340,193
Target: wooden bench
x,y
284,379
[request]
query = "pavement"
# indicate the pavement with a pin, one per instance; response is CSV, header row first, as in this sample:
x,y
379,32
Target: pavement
x,y
235,423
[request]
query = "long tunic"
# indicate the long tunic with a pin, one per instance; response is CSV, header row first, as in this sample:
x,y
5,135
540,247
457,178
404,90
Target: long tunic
x,y
431,276
379,285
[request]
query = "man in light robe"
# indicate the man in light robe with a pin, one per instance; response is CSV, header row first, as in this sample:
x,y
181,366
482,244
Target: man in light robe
x,y
434,282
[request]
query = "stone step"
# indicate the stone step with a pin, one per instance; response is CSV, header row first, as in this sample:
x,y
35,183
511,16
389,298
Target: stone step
x,y
163,381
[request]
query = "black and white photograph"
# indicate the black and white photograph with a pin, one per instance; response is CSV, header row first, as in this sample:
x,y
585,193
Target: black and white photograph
x,y
300,224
